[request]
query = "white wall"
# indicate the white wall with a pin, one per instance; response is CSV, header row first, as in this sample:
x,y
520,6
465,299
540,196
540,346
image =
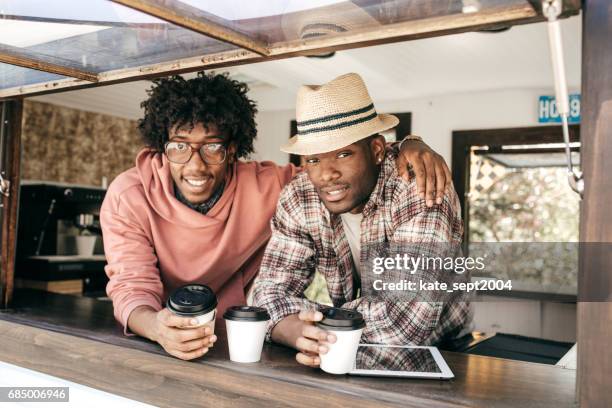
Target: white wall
x,y
434,118
273,129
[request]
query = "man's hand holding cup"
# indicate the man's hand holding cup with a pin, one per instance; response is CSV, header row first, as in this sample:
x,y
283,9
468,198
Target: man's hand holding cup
x,y
178,336
312,341
185,328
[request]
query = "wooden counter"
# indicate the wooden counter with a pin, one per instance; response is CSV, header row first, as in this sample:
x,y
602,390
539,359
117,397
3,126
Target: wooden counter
x,y
97,354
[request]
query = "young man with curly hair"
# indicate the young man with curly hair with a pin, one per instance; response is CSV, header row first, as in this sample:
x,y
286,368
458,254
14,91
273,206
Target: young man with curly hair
x,y
191,212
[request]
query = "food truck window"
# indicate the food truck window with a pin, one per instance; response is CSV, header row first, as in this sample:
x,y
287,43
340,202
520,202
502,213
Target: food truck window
x,y
22,81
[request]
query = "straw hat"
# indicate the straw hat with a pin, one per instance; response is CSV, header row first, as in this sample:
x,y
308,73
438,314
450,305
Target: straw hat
x,y
335,115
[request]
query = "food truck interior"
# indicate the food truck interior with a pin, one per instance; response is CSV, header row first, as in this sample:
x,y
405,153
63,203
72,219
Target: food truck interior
x,y
474,78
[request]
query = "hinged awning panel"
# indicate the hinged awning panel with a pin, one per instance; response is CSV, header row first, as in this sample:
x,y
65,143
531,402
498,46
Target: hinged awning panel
x,y
78,43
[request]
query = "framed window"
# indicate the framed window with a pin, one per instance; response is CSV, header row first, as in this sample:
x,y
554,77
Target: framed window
x,y
515,197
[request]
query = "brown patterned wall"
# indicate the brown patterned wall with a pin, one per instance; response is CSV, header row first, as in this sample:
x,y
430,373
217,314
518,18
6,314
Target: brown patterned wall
x,y
73,146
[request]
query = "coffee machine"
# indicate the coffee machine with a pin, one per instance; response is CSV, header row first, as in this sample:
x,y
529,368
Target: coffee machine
x,y
59,237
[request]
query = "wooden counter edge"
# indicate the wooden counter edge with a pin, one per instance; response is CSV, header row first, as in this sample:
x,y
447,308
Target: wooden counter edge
x,y
159,380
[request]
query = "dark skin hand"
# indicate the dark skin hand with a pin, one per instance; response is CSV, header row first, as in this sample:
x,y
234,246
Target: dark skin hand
x,y
298,331
172,332
432,173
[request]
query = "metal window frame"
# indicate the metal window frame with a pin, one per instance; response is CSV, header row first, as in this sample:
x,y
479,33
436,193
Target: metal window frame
x,y
253,50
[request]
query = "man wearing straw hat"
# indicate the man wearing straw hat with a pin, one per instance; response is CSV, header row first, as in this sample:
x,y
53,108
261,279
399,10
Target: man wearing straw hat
x,y
349,197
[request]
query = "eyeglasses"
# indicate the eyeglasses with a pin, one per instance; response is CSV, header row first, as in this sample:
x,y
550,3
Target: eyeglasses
x,y
181,152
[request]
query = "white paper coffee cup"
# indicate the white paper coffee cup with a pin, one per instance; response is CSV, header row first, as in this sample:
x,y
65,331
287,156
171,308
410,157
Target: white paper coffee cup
x,y
347,325
85,244
340,357
205,319
246,332
195,302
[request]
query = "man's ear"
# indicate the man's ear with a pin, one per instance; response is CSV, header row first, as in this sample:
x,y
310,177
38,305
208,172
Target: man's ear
x,y
231,153
378,146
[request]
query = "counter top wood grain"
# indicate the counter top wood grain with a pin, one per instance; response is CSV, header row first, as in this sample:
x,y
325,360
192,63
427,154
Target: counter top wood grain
x,y
78,339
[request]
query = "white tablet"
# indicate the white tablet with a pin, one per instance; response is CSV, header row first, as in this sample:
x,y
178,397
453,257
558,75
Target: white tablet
x,y
401,361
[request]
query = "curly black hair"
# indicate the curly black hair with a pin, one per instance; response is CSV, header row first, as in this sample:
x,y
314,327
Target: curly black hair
x,y
208,99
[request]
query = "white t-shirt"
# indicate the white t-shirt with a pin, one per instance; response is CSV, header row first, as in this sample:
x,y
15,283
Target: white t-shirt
x,y
352,230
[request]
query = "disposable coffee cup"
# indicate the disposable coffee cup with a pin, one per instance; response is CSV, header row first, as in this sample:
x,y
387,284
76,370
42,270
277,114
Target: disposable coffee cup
x,y
85,244
194,301
347,325
246,331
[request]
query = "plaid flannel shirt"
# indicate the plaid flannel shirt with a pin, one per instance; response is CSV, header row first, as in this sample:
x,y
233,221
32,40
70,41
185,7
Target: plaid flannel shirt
x,y
306,237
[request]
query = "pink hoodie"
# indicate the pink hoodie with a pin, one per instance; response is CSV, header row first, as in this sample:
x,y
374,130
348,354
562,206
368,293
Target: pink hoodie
x,y
154,243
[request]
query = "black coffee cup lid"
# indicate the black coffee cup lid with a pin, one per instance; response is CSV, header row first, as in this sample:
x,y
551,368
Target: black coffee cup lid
x,y
192,300
336,318
246,314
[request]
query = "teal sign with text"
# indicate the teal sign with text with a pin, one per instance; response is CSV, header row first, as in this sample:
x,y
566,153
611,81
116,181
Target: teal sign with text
x,y
548,112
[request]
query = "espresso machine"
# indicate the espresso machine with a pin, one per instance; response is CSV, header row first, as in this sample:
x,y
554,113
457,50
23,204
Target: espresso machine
x,y
59,237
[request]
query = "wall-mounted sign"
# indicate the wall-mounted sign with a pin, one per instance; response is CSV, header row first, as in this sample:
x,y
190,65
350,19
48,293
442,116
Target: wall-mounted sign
x,y
548,113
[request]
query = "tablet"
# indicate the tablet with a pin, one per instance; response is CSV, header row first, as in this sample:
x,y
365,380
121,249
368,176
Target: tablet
x,y
400,361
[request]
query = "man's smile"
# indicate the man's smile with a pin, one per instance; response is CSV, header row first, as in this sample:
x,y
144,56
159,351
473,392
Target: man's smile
x,y
197,185
335,193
